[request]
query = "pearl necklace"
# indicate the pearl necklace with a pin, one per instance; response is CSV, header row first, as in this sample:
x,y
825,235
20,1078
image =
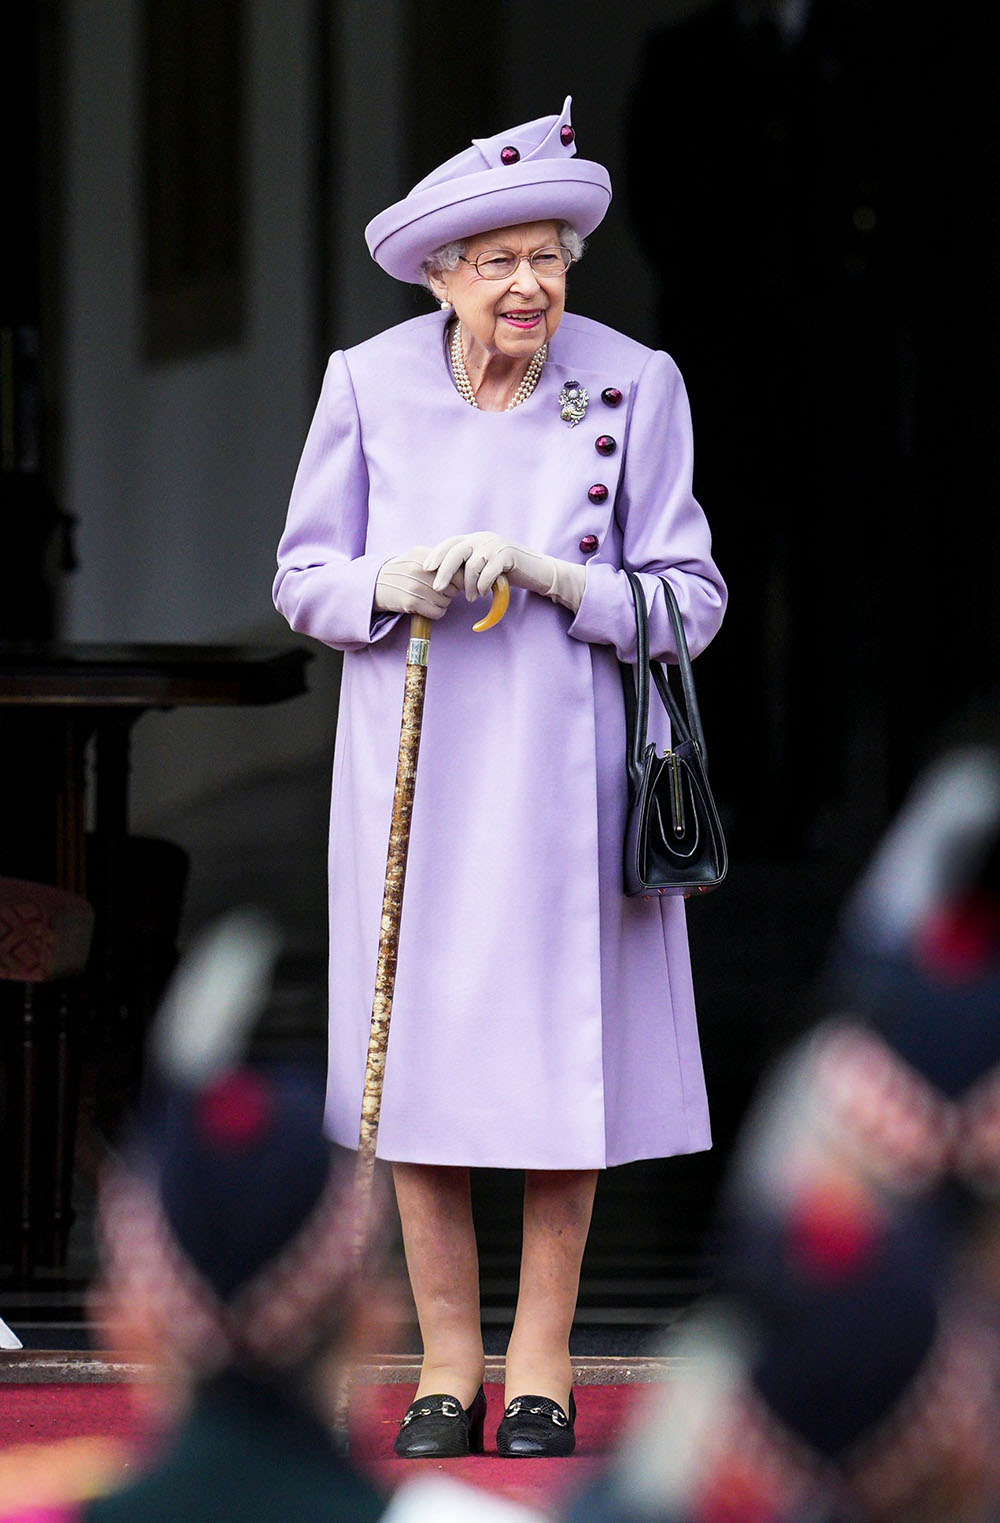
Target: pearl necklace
x,y
463,385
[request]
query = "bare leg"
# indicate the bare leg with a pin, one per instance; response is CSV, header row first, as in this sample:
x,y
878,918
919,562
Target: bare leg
x,y
557,1209
435,1208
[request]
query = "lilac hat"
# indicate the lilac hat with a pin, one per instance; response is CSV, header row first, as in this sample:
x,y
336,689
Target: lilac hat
x,y
526,174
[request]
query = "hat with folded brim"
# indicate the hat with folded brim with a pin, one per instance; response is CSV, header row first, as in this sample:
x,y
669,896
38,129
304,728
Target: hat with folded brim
x,y
525,174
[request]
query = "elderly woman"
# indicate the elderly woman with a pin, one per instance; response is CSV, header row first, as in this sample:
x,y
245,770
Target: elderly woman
x,y
542,1021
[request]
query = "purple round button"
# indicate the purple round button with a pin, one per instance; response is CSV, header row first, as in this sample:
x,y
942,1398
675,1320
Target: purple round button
x,y
611,396
566,136
598,492
509,155
605,445
589,543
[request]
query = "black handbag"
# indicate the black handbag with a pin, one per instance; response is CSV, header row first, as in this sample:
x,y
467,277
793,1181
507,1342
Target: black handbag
x,y
673,837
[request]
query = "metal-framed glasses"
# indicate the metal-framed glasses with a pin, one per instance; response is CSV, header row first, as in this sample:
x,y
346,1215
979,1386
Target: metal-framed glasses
x,y
501,264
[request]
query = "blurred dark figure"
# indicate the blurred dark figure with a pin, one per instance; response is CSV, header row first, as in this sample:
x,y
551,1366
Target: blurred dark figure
x,y
826,292
851,1373
244,1261
236,1259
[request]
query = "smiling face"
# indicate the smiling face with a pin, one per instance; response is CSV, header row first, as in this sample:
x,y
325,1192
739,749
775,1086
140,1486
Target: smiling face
x,y
511,317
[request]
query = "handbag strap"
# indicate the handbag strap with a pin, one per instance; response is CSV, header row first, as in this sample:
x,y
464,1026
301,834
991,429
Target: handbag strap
x,y
692,713
635,684
685,721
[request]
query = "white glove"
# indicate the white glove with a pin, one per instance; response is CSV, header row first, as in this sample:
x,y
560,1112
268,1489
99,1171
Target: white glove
x,y
403,586
484,556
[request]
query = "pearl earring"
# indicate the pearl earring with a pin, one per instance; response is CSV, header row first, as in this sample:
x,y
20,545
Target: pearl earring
x,y
446,306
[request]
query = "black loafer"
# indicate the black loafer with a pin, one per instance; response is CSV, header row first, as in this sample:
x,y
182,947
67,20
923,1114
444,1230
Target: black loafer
x,y
534,1427
439,1427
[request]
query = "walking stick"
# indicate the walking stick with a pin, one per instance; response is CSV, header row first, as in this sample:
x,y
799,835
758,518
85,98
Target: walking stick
x,y
395,874
392,908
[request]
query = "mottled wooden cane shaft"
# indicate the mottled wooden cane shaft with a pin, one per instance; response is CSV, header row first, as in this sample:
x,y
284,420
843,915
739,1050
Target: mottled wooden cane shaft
x,y
392,901
388,951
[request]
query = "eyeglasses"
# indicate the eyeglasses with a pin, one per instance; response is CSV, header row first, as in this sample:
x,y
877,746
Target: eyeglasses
x,y
501,264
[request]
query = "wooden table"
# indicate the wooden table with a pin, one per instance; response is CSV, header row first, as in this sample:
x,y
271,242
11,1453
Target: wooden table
x,y
56,700
61,696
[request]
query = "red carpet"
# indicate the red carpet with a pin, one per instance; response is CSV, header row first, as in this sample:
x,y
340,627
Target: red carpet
x,y
32,1414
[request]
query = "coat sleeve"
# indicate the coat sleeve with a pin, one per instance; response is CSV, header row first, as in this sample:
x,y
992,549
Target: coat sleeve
x,y
325,584
664,530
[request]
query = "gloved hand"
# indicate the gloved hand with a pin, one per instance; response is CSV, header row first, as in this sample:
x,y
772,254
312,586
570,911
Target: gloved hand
x,y
403,586
484,556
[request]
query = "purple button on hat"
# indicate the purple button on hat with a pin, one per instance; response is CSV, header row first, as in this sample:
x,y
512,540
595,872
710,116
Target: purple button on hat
x,y
529,173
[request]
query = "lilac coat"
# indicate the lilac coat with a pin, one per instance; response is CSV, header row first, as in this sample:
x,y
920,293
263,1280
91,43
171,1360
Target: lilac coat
x,y
541,1019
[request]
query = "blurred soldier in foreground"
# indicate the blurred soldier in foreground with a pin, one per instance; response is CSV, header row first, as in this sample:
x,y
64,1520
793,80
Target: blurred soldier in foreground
x,y
239,1258
851,1371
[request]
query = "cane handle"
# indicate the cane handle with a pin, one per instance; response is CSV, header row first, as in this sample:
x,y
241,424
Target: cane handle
x,y
498,607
